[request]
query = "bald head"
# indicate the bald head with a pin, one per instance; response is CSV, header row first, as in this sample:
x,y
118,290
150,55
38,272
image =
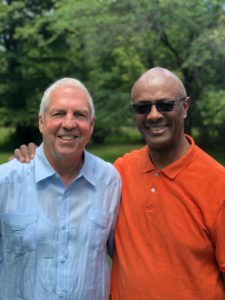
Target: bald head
x,y
159,79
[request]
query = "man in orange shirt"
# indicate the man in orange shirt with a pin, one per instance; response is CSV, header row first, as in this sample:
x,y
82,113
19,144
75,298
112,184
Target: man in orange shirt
x,y
170,234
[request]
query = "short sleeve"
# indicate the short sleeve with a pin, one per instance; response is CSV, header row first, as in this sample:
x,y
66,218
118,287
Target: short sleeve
x,y
220,239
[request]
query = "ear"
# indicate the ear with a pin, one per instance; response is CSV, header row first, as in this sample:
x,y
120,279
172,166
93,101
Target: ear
x,y
186,106
40,123
92,124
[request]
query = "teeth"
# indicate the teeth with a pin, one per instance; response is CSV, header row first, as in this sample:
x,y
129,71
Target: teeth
x,y
67,137
156,128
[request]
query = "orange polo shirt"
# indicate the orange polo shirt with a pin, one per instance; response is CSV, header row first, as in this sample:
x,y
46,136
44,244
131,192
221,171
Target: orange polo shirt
x,y
170,234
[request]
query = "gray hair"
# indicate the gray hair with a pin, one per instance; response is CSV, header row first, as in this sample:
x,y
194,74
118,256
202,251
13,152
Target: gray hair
x,y
70,82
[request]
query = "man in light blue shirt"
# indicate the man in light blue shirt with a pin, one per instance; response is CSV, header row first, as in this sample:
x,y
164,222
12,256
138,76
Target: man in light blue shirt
x,y
58,212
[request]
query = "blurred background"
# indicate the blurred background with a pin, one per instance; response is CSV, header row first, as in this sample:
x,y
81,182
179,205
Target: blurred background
x,y
108,44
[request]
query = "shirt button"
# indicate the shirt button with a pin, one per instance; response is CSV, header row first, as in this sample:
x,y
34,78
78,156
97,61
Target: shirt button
x,y
62,260
153,190
156,174
63,227
61,295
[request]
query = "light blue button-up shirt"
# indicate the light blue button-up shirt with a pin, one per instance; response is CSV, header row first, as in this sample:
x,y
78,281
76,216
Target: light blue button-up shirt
x,y
54,239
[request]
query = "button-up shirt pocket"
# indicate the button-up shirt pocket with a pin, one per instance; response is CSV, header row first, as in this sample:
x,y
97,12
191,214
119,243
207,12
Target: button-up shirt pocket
x,y
99,227
19,232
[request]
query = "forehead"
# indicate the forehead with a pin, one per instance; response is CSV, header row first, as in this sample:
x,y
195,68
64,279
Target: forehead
x,y
156,87
67,96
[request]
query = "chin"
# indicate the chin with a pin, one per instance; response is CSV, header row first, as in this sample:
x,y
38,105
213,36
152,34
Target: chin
x,y
158,143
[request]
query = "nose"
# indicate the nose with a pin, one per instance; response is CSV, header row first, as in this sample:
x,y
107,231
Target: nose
x,y
69,123
154,114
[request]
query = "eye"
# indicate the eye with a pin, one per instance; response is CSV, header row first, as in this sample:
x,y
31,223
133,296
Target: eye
x,y
57,114
80,115
166,106
142,108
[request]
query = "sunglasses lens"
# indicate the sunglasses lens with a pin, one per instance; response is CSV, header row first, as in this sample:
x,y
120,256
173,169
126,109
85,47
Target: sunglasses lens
x,y
142,108
165,107
162,107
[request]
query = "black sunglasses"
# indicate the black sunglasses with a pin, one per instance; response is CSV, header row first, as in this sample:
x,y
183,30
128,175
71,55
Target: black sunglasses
x,y
161,106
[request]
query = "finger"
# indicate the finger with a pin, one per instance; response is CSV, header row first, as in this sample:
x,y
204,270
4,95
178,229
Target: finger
x,y
11,157
31,150
25,152
19,156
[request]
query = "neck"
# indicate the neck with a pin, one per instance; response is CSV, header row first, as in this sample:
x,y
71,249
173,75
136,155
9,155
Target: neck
x,y
164,157
68,169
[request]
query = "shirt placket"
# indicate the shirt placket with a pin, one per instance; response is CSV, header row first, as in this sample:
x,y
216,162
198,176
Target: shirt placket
x,y
62,255
153,190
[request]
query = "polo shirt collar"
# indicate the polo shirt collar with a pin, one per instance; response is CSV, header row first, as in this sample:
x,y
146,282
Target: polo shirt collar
x,y
175,168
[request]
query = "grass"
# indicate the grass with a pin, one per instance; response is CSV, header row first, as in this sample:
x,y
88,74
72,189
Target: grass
x,y
107,152
4,156
111,152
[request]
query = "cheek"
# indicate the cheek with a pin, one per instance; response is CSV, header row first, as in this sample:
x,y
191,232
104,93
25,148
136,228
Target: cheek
x,y
178,121
49,127
85,127
88,131
139,119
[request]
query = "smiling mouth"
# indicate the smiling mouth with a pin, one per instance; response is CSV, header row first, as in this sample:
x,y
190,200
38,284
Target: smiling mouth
x,y
68,137
159,129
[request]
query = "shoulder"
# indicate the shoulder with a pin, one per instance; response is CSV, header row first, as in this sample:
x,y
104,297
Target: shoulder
x,y
208,173
203,162
101,168
132,157
14,171
208,162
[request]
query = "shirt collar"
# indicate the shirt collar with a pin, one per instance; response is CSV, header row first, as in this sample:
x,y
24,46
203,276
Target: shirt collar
x,y
175,168
88,169
43,169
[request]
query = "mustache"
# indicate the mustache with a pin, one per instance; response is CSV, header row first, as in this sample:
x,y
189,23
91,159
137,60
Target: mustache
x,y
156,122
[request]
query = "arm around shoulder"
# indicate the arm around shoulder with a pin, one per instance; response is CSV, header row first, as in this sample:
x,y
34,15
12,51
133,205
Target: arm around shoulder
x,y
25,153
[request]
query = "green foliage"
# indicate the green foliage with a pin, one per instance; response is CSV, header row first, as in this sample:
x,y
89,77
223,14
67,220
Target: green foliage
x,y
107,44
111,152
212,111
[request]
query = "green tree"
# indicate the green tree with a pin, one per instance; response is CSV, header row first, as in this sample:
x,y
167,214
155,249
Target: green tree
x,y
212,115
18,84
123,38
107,44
